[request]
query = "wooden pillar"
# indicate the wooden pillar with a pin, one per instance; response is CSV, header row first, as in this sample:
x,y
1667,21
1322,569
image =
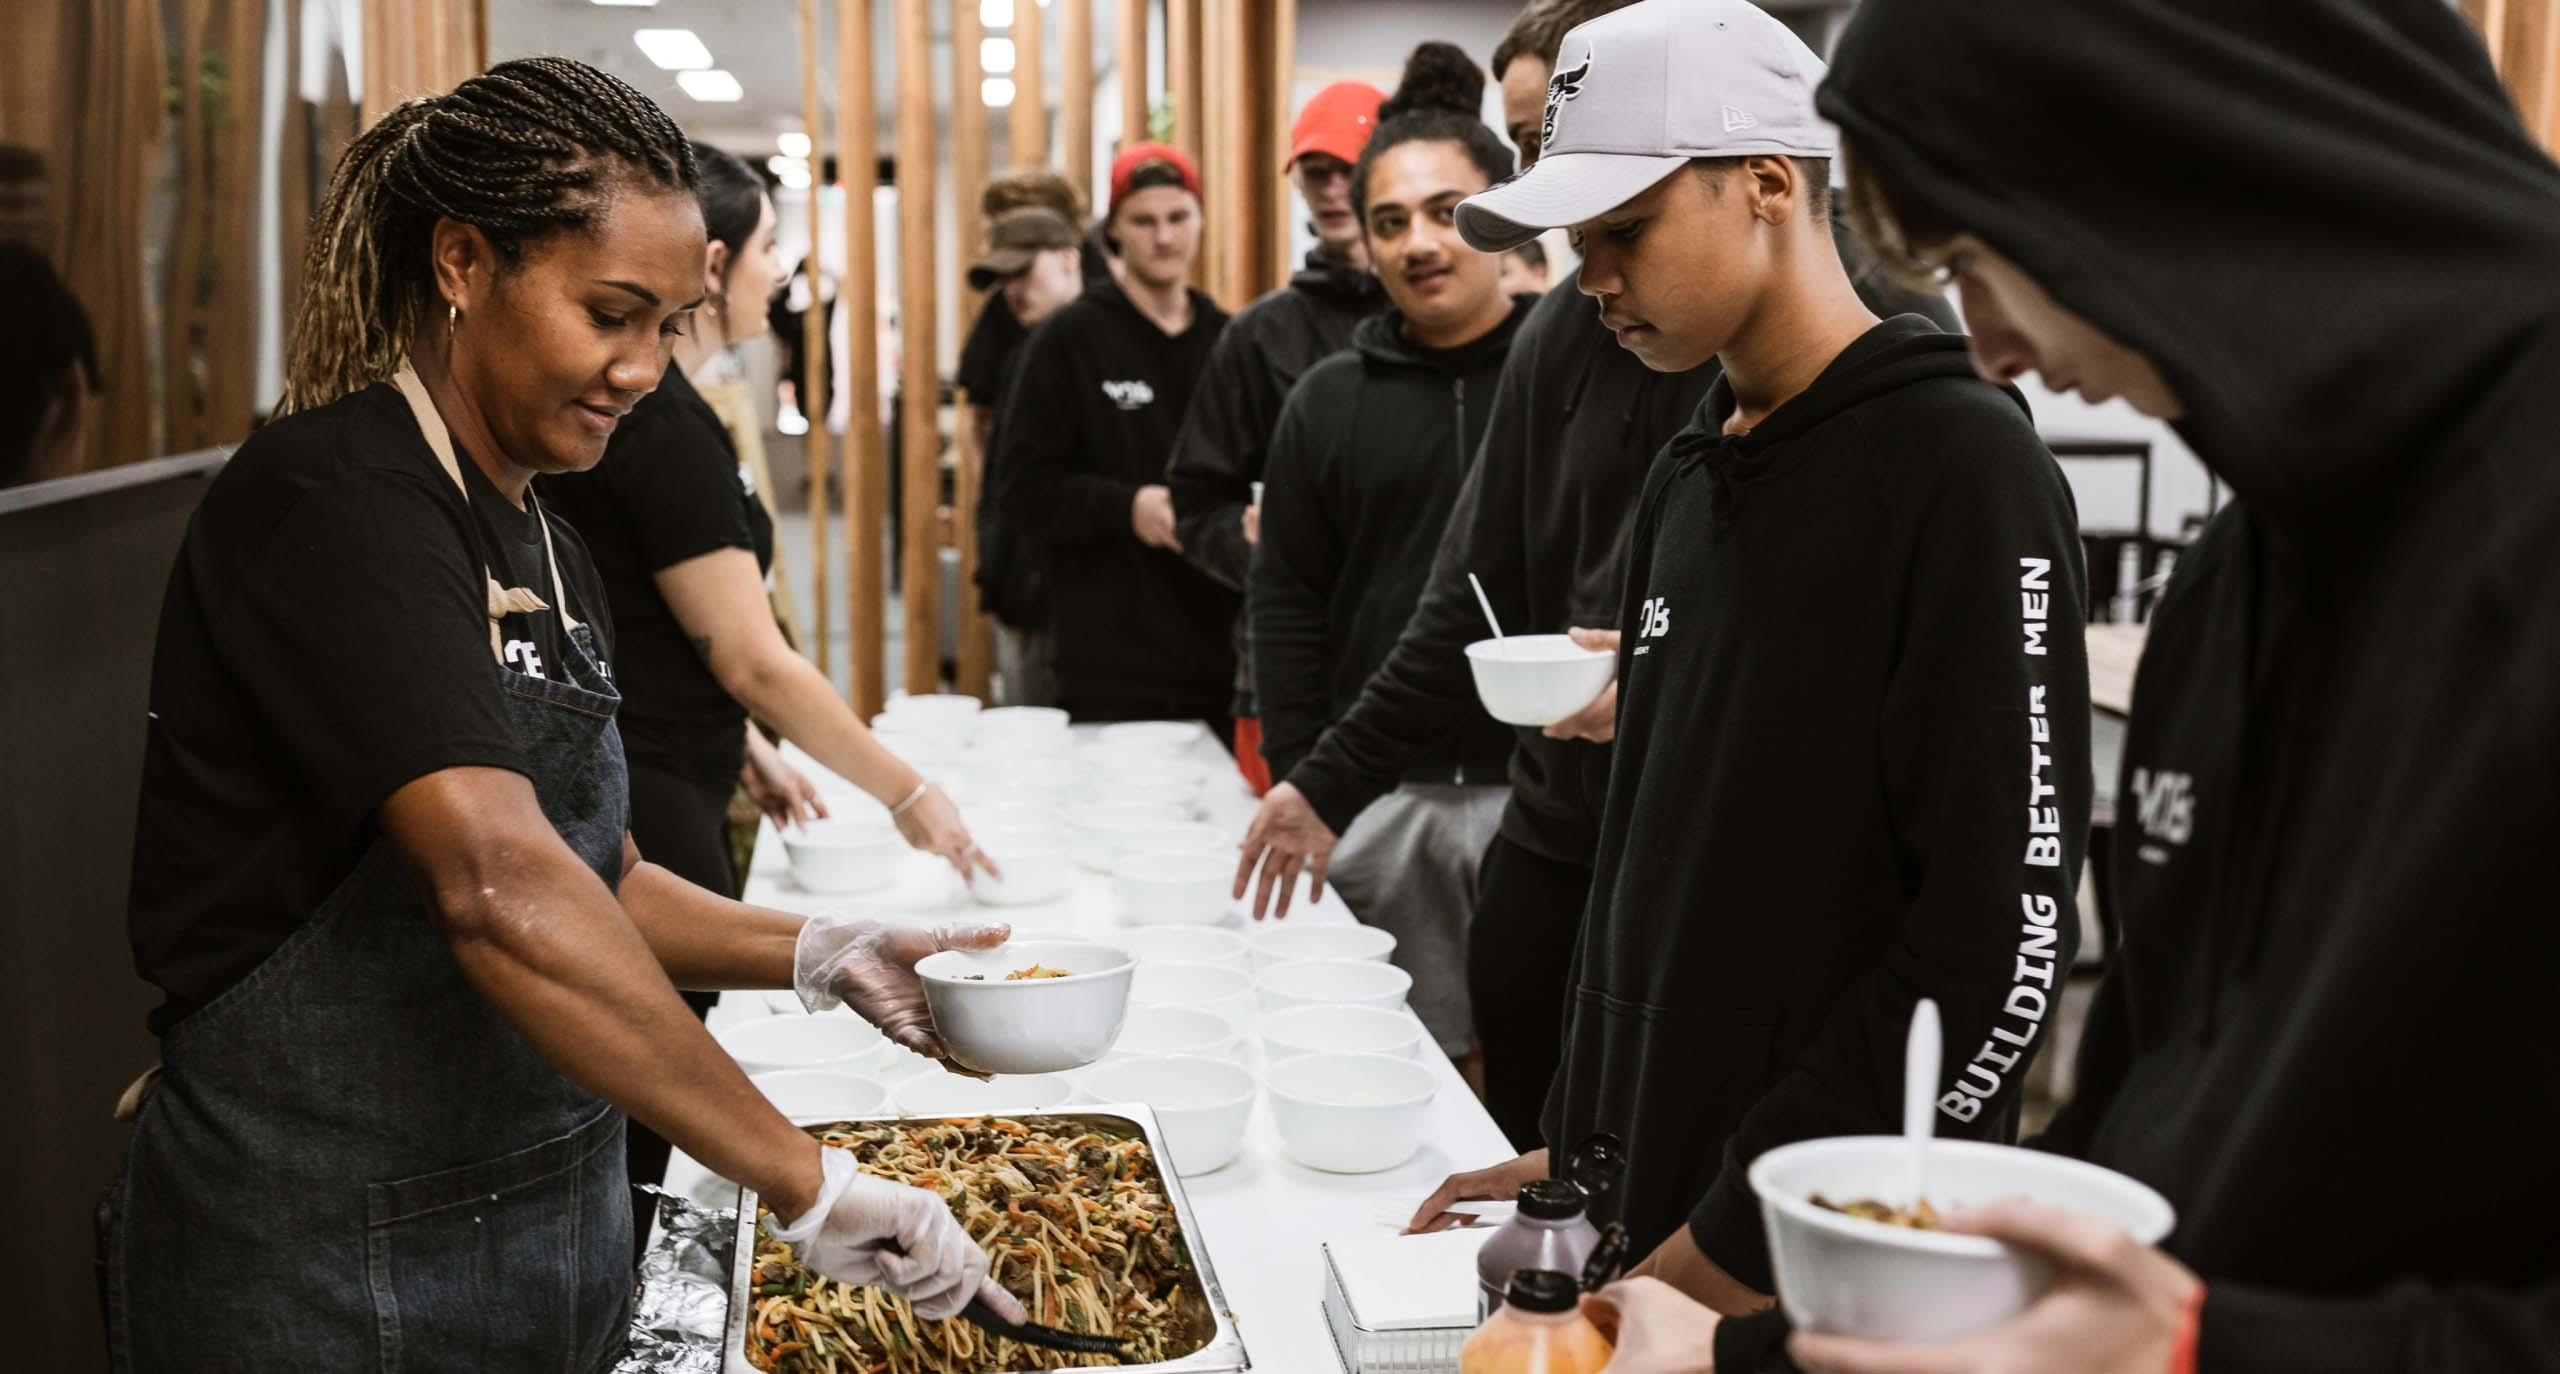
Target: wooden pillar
x,y
1133,72
1027,137
920,376
969,158
969,133
1182,72
813,404
866,473
1075,93
1282,54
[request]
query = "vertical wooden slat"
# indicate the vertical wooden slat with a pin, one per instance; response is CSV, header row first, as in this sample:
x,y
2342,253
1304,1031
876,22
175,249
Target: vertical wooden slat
x,y
920,377
1075,93
1282,53
1182,72
1133,72
866,477
969,157
2544,113
975,654
182,265
232,337
814,342
1027,134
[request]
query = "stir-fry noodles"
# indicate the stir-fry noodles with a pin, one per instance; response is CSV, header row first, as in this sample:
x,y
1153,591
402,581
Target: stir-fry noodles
x,y
1075,1223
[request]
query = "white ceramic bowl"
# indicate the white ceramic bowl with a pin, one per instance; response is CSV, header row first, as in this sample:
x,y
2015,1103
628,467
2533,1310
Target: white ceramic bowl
x,y
1024,722
859,853
1158,736
1350,1113
1174,889
1332,983
1209,987
1014,813
937,707
1038,1025
1186,837
937,1092
1171,782
1202,1104
1340,1030
1537,679
810,1096
1289,942
1845,1276
1185,945
1154,1031
1034,862
1101,833
835,1040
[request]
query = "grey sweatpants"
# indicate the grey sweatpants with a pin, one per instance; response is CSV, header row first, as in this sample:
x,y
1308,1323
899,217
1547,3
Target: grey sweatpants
x,y
1408,866
1026,672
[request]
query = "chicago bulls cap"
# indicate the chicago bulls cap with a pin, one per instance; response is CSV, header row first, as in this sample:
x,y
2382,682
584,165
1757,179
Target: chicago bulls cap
x,y
1639,92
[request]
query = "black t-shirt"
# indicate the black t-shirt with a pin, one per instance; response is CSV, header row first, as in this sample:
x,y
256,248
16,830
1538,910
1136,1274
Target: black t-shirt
x,y
670,489
324,640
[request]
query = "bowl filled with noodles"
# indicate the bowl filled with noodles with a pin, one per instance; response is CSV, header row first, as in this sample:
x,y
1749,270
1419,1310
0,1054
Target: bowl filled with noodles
x,y
1029,1006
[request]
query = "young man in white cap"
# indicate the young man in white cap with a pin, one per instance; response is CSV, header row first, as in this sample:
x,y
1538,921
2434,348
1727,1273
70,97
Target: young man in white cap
x,y
1852,762
1219,453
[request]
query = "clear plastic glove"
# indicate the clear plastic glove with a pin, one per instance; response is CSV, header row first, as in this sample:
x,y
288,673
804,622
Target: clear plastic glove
x,y
877,1234
871,967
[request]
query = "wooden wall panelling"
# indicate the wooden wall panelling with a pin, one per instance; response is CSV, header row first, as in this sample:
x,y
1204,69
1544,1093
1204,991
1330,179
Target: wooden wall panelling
x,y
1182,71
1027,136
1281,56
1075,93
920,372
112,128
970,154
866,475
231,341
1134,76
814,341
182,262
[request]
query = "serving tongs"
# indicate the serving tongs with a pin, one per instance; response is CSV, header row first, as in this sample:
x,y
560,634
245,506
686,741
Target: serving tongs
x,y
986,1318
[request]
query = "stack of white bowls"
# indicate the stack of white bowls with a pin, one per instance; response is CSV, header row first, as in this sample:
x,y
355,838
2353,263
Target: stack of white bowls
x,y
1332,983
1201,1103
1207,987
1350,1113
853,850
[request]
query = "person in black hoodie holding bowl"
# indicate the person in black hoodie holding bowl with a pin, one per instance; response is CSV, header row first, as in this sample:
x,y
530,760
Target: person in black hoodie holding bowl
x,y
1365,464
1852,767
2326,1040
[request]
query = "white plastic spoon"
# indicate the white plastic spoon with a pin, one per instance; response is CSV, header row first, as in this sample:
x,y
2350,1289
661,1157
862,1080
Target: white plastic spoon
x,y
1920,1054
1487,603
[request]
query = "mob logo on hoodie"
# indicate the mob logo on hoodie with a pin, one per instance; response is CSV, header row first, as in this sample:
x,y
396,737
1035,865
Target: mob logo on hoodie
x,y
1131,395
2165,804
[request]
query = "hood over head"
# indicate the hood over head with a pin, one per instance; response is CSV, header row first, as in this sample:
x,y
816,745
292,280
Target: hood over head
x,y
2322,221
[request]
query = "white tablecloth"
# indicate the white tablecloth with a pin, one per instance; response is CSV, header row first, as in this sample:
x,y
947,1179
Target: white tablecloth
x,y
1262,1217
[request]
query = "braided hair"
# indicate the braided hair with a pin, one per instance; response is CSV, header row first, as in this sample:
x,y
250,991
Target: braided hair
x,y
527,148
1438,99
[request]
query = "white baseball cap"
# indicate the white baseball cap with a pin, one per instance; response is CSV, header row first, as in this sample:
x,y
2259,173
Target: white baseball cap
x,y
1639,92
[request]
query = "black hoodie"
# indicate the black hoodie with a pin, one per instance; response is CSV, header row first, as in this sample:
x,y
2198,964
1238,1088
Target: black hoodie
x,y
1852,771
1219,454
2327,1040
1365,464
1542,520
1097,393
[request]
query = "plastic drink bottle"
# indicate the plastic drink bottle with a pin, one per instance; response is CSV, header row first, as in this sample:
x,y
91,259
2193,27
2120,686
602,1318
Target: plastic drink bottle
x,y
1549,1231
1539,1329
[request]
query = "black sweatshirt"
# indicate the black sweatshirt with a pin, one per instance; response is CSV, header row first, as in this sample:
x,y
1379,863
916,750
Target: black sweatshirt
x,y
1219,454
1097,393
1852,771
1366,462
2327,1038
1542,520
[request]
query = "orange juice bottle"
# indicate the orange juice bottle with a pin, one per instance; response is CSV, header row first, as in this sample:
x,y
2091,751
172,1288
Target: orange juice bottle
x,y
1539,1329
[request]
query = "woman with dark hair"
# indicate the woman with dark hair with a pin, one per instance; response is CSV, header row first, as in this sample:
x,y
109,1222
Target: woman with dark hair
x,y
416,970
1365,463
683,545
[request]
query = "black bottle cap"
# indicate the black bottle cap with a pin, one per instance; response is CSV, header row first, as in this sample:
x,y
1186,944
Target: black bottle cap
x,y
1542,1290
1552,1199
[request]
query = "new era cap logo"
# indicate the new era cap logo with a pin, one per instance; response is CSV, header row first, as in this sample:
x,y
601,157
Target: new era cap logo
x,y
1739,119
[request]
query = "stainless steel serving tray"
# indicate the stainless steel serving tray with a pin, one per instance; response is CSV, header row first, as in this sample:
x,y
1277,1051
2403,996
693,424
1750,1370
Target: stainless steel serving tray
x,y
1222,1354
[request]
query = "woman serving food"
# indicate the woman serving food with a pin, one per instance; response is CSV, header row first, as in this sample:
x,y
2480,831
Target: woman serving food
x,y
416,971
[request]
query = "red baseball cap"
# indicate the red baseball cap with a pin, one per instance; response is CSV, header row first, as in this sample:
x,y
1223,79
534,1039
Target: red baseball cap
x,y
1336,121
1125,167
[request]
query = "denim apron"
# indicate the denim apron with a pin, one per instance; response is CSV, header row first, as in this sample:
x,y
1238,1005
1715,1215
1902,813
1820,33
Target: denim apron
x,y
347,1160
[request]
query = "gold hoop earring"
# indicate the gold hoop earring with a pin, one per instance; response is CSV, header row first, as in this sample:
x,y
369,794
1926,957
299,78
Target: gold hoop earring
x,y
452,323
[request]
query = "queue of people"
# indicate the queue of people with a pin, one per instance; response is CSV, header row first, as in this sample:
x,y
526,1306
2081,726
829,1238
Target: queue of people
x,y
1843,765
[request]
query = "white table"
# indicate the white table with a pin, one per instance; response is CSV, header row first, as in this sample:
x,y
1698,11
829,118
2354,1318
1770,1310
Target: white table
x,y
1262,1217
